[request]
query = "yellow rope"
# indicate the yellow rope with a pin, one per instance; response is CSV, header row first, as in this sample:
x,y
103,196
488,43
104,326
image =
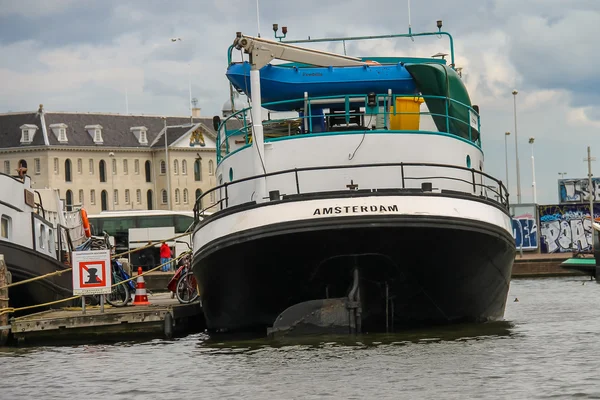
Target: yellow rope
x,y
37,278
13,310
62,271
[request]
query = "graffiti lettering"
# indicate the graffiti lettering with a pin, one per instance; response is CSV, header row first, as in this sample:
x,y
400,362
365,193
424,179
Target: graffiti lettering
x,y
525,232
577,190
565,228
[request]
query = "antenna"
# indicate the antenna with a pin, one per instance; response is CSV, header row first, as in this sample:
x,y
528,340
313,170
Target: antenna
x,y
257,19
409,24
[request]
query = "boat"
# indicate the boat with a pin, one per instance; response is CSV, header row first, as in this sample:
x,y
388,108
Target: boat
x,y
361,211
35,240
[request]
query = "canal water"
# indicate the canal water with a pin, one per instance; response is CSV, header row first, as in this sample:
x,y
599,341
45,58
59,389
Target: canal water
x,y
549,347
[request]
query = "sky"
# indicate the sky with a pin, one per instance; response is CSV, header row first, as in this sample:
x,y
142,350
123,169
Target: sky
x,y
90,56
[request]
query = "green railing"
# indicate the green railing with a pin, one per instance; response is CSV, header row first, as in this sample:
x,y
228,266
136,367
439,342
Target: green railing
x,y
380,114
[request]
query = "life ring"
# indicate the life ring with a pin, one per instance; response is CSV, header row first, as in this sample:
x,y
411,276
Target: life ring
x,y
86,223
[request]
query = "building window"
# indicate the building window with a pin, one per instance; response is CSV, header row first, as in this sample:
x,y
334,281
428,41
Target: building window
x,y
197,170
211,168
80,197
185,196
176,167
37,166
56,166
116,196
163,196
79,165
92,196
25,138
143,137
177,194
91,166
126,196
102,170
125,167
68,170
5,227
148,170
69,200
198,200
114,166
184,167
7,167
62,135
163,167
138,196
136,166
212,197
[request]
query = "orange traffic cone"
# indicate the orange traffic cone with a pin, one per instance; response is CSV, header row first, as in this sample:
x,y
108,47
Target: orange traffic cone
x,y
141,298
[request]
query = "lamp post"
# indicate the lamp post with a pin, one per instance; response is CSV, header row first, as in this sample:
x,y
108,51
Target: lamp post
x,y
562,175
589,160
515,92
178,39
506,135
167,165
533,188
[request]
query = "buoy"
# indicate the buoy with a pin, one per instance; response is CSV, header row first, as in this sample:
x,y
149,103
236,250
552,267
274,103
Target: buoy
x,y
141,298
516,299
86,223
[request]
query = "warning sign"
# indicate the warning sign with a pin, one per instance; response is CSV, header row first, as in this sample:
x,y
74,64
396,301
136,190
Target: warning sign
x,y
92,273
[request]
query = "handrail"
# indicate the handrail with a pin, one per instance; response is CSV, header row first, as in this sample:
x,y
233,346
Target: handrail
x,y
385,100
502,192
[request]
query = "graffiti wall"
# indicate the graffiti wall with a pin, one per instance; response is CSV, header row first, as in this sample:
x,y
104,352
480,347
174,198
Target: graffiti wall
x,y
578,190
524,224
566,227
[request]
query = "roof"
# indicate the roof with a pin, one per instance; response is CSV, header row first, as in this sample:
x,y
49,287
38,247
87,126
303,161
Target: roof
x,y
10,129
116,128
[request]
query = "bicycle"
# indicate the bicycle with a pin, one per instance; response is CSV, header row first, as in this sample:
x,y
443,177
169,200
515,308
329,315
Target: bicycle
x,y
187,288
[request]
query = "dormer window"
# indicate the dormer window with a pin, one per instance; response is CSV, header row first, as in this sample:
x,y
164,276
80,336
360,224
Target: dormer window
x,y
140,133
28,133
60,131
95,131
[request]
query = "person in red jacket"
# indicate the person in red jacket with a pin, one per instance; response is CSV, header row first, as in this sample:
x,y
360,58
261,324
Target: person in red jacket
x,y
165,256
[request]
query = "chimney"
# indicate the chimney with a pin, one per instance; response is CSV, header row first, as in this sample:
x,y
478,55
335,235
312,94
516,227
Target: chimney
x,y
196,112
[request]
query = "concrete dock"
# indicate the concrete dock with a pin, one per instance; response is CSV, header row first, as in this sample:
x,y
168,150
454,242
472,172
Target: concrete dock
x,y
164,318
533,265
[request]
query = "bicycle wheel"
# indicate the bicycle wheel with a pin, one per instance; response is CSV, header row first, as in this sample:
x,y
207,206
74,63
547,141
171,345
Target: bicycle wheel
x,y
119,297
187,290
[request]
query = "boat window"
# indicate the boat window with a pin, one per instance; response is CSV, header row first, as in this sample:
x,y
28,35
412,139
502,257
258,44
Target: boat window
x,y
5,227
42,238
182,222
156,221
50,239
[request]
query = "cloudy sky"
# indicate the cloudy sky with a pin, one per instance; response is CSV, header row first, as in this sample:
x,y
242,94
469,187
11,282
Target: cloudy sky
x,y
78,55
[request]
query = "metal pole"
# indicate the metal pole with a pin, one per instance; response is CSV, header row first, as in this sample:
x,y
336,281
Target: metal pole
x,y
591,191
101,304
506,134
533,187
167,166
83,304
190,90
257,136
514,92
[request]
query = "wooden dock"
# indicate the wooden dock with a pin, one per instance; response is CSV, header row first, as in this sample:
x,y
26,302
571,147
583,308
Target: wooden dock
x,y
164,318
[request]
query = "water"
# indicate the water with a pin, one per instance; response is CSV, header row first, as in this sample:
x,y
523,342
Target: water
x,y
548,348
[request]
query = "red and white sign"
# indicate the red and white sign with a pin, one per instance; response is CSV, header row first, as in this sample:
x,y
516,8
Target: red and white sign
x,y
92,273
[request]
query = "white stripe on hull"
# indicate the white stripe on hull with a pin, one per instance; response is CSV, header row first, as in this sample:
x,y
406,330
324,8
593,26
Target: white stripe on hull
x,y
426,206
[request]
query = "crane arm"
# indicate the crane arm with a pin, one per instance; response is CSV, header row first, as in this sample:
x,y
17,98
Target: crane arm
x,y
263,51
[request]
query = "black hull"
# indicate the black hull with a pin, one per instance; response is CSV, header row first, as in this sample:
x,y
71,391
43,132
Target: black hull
x,y
437,270
24,263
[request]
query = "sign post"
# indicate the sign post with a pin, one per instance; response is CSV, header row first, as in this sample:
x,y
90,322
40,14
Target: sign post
x,y
92,274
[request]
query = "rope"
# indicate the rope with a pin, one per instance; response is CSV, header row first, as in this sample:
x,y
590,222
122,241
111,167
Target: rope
x,y
62,271
13,310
